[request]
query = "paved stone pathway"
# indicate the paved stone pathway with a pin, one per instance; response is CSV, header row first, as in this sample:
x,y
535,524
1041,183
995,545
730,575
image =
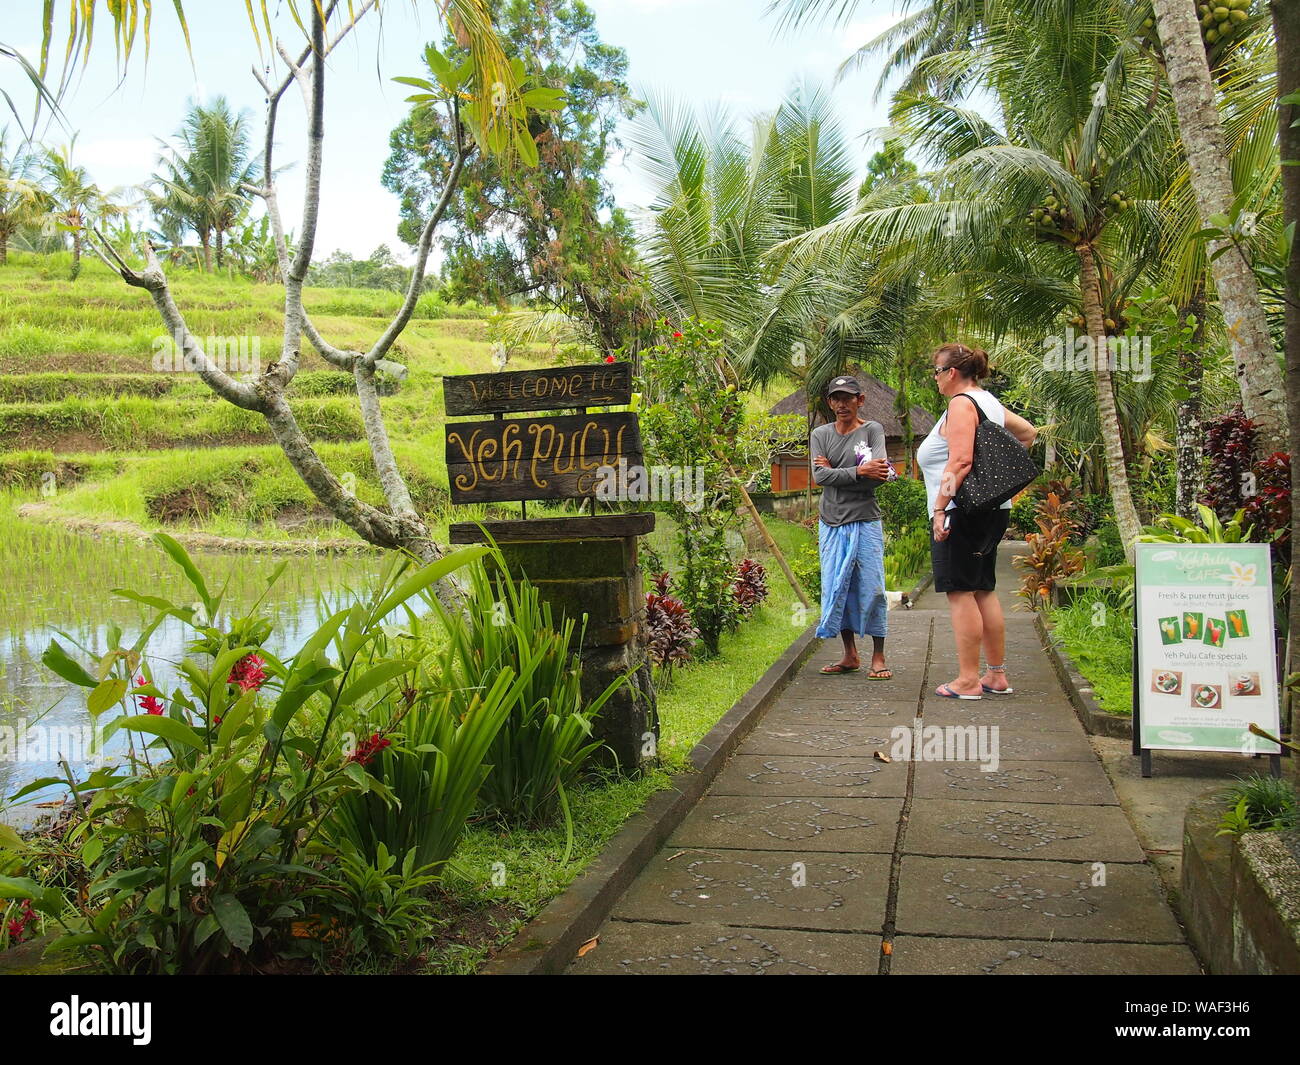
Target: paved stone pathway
x,y
810,855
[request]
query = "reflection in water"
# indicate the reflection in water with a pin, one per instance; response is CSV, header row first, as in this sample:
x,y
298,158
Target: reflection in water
x,y
53,581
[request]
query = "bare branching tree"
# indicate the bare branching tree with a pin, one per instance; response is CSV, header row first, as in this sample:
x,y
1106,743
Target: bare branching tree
x,y
498,127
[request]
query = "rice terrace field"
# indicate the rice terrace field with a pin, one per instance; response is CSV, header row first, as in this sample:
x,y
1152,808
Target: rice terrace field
x,y
649,487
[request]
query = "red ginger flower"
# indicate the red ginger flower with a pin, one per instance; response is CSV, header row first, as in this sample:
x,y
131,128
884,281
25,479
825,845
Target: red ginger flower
x,y
609,358
17,928
151,704
368,748
248,673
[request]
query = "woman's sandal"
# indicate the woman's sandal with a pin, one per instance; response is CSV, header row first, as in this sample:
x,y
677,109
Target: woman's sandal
x,y
947,693
997,691
835,667
883,673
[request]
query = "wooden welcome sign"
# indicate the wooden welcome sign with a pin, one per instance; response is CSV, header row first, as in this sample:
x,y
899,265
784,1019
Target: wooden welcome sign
x,y
557,457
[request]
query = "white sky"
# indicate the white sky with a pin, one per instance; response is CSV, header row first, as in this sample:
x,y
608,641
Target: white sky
x,y
709,52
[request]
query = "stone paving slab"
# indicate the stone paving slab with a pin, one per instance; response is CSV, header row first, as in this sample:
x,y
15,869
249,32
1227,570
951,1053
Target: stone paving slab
x,y
718,950
818,776
840,892
1041,900
1025,745
1079,783
1006,711
840,715
1021,830
923,955
836,825
781,736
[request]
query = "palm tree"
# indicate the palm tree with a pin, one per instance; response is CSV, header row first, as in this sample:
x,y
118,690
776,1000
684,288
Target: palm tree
x,y
76,202
1060,191
206,174
20,195
1200,125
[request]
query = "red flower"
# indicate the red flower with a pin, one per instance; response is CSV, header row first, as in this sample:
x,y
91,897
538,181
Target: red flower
x,y
609,358
248,673
17,928
368,748
217,720
151,704
677,336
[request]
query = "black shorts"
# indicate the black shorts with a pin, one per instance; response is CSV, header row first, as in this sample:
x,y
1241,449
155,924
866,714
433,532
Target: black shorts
x,y
968,559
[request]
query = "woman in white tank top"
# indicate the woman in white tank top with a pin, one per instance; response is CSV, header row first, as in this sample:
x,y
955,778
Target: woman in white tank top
x,y
964,546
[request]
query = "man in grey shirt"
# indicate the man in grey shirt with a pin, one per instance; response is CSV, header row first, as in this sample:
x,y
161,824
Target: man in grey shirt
x,y
849,460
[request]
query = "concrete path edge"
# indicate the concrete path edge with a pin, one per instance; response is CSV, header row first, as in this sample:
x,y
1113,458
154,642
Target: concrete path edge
x,y
547,944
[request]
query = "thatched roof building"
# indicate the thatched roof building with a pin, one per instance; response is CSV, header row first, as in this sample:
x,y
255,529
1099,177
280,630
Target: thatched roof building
x,y
790,469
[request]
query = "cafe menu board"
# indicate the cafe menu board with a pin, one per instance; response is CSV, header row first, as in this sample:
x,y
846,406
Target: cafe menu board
x,y
1206,648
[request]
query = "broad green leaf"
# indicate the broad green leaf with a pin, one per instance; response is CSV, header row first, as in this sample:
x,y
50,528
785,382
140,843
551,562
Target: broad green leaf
x,y
181,557
373,678
107,693
57,659
166,727
426,576
233,918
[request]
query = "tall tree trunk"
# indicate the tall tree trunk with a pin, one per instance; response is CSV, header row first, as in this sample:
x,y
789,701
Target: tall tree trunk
x,y
1258,375
1188,431
1126,516
220,249
76,255
1286,29
4,247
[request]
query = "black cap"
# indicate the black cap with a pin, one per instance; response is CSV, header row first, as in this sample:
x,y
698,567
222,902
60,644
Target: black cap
x,y
844,384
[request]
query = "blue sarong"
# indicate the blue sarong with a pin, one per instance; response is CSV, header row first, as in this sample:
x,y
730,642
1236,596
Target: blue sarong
x,y
853,578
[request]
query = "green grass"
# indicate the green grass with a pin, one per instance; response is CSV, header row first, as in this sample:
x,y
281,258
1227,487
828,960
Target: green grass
x,y
1103,653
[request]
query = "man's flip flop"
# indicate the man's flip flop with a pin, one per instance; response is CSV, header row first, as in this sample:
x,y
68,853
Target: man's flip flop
x,y
947,693
881,674
837,668
998,691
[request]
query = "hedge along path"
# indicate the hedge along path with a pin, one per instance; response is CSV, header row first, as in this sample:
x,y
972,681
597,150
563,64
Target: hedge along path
x,y
809,854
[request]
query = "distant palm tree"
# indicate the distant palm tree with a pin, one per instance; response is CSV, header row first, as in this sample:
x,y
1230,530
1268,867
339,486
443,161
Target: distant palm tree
x,y
20,195
75,202
203,177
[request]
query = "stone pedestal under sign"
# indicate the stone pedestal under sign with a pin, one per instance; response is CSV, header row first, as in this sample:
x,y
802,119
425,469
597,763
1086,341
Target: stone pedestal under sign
x,y
601,578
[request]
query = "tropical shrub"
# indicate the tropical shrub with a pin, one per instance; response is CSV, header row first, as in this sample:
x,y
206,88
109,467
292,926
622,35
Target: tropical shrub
x,y
902,505
1021,519
1260,803
694,419
750,586
546,740
1051,561
431,769
1229,456
369,912
668,623
1109,547
906,557
196,852
807,566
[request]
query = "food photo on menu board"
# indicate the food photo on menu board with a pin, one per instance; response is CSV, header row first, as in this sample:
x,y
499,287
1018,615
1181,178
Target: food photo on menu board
x,y
1206,647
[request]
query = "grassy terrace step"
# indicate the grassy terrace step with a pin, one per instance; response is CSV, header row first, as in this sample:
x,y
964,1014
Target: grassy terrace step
x,y
133,423
55,387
